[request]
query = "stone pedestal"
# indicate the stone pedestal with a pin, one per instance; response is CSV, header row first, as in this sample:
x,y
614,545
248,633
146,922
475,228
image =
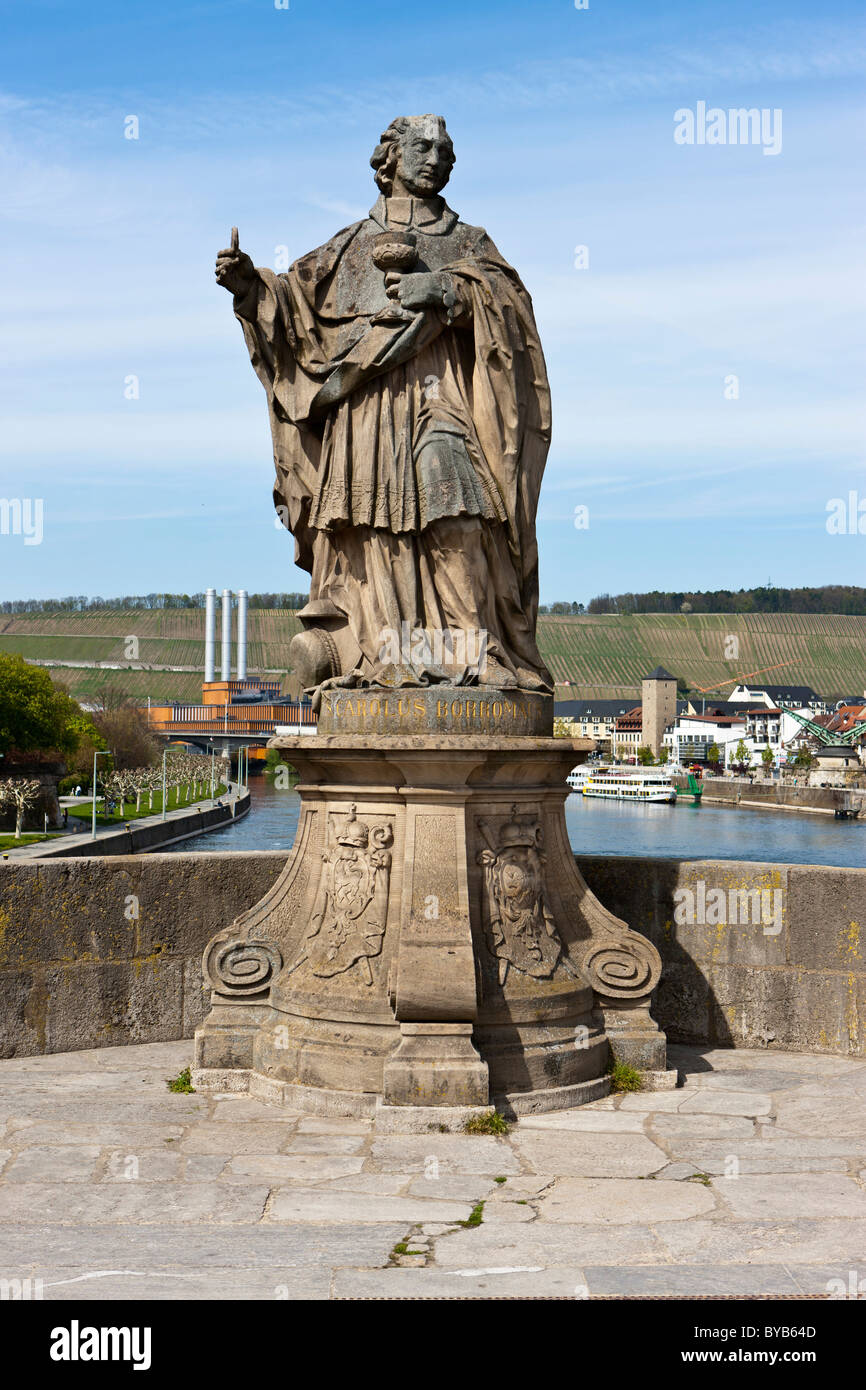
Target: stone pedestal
x,y
430,942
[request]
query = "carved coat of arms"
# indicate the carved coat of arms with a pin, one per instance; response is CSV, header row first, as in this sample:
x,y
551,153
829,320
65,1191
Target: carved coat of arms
x,y
520,928
348,924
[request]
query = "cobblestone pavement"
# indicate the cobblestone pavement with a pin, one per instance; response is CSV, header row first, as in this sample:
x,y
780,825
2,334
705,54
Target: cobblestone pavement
x,y
748,1180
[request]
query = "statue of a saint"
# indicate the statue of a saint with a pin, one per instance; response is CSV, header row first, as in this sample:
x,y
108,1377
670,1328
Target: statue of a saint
x,y
410,414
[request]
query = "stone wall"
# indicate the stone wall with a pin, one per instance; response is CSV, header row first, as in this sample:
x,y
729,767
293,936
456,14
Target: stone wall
x,y
787,968
781,796
104,951
100,952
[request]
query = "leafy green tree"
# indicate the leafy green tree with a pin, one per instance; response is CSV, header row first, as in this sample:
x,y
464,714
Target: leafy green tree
x,y
767,758
34,714
664,755
714,753
645,755
742,758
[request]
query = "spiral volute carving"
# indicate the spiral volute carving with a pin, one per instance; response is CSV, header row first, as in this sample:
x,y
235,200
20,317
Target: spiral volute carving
x,y
622,967
237,967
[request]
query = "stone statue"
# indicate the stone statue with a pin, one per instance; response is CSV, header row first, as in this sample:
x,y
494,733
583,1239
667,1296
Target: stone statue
x,y
410,415
430,942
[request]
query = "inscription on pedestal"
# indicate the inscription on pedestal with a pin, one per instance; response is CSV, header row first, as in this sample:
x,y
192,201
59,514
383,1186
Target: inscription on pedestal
x,y
435,889
435,709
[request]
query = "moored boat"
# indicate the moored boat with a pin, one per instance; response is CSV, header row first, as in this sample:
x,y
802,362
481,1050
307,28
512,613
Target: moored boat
x,y
640,785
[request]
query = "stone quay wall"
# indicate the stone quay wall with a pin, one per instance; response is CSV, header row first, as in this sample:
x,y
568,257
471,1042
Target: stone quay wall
x,y
142,835
100,952
781,796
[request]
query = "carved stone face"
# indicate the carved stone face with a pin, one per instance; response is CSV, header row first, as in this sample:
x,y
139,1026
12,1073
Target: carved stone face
x,y
513,879
424,165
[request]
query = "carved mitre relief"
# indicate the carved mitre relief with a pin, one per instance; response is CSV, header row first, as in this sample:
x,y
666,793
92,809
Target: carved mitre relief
x,y
348,924
518,925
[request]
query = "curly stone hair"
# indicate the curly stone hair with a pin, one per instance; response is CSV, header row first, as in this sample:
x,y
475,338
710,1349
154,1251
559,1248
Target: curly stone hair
x,y
384,157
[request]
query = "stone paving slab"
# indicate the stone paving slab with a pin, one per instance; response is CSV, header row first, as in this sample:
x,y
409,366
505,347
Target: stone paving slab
x,y
747,1180
694,1281
493,1282
589,1155
765,1242
274,1283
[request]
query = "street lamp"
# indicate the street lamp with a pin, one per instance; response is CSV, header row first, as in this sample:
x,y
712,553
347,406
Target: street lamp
x,y
96,755
165,753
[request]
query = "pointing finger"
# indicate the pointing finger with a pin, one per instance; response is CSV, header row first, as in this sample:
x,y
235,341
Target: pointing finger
x,y
235,246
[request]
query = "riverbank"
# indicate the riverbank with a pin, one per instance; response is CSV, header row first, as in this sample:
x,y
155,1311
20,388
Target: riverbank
x,y
142,835
779,796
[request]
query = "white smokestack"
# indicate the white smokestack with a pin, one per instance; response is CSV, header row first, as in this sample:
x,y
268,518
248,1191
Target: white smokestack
x,y
209,634
226,634
242,634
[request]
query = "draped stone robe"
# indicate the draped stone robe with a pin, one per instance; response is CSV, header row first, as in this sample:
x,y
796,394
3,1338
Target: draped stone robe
x,y
409,456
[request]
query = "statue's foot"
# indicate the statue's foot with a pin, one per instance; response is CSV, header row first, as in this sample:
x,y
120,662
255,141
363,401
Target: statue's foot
x,y
495,674
528,680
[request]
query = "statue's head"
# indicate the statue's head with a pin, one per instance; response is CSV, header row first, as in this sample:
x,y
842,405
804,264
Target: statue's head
x,y
415,156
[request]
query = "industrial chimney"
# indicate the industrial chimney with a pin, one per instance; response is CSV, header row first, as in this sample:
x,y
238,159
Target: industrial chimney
x,y
242,635
209,634
226,634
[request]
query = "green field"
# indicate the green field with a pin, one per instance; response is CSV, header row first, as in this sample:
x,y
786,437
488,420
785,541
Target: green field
x,y
8,842
605,655
599,655
173,802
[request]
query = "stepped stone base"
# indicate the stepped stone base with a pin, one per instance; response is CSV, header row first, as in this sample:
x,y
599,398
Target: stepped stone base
x,y
430,944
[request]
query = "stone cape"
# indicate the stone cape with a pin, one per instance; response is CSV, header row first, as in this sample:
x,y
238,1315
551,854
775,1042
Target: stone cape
x,y
382,431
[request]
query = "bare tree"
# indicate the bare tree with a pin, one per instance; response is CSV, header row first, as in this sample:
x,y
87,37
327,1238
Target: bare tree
x,y
22,793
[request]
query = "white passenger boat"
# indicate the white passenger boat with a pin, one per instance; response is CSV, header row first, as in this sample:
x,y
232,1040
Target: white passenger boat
x,y
576,779
639,785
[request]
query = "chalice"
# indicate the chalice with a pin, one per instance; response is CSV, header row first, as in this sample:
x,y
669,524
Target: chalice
x,y
394,251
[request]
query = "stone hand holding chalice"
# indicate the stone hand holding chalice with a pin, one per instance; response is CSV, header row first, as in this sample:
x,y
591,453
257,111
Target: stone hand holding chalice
x,y
395,253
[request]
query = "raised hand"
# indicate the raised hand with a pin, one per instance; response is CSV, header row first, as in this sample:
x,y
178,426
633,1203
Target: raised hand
x,y
234,269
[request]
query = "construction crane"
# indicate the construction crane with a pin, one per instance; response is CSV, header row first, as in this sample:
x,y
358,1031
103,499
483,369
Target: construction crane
x,y
823,735
740,680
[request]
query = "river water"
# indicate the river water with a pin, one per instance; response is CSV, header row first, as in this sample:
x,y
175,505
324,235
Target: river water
x,y
683,831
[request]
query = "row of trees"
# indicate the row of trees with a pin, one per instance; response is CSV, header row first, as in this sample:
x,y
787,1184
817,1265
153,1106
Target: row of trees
x,y
189,771
741,762
81,603
767,598
828,598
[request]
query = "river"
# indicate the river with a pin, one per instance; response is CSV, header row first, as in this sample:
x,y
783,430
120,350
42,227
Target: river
x,y
683,831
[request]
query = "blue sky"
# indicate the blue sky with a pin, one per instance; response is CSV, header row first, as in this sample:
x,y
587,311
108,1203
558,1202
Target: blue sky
x,y
704,262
